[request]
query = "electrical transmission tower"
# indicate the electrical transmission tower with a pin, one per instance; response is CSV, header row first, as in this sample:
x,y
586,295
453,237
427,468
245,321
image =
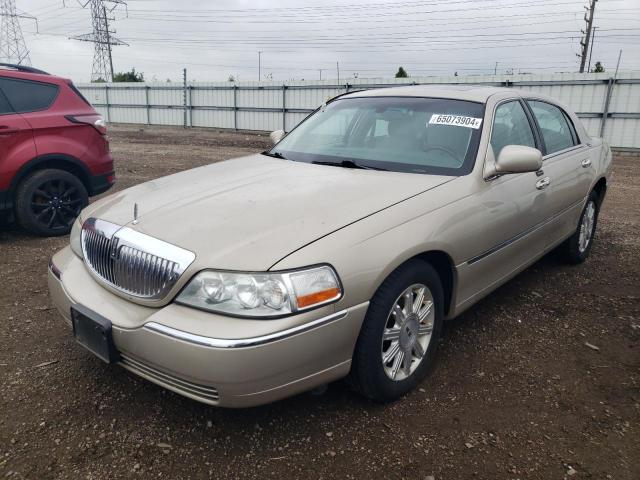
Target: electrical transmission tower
x,y
12,46
101,37
584,43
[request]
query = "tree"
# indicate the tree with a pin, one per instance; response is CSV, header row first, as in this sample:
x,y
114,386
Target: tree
x,y
401,73
599,68
232,78
131,76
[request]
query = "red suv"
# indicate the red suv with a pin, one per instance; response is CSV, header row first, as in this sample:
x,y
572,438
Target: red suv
x,y
54,152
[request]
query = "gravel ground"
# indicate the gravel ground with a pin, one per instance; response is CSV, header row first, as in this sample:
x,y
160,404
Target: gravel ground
x,y
541,380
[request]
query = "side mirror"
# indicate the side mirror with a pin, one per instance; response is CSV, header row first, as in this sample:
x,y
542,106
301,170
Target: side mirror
x,y
276,136
518,159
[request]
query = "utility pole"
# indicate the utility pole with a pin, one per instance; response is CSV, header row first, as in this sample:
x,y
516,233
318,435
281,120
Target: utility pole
x,y
259,73
101,37
588,17
593,40
338,71
13,49
320,70
495,69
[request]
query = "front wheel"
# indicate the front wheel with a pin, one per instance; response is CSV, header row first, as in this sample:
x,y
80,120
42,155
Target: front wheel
x,y
577,247
400,333
48,202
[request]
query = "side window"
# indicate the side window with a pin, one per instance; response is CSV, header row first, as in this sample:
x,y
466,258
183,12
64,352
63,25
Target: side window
x,y
556,131
27,96
511,127
5,108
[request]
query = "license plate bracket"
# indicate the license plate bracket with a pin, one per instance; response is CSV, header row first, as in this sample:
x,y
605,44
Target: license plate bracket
x,y
94,333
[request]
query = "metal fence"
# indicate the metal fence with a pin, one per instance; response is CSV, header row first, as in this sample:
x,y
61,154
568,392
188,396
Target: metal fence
x,y
608,106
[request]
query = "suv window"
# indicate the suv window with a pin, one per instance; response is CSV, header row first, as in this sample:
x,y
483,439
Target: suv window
x,y
5,108
28,96
511,127
556,131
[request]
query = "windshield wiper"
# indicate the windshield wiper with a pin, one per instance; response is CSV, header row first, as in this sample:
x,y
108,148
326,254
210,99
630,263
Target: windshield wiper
x,y
274,155
349,164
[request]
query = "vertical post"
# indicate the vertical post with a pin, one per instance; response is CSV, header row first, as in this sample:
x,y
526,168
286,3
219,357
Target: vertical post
x,y
605,109
190,105
184,98
607,102
346,87
284,108
106,99
338,71
147,105
235,106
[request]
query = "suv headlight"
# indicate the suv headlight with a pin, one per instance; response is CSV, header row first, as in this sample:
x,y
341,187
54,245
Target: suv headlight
x,y
262,295
75,238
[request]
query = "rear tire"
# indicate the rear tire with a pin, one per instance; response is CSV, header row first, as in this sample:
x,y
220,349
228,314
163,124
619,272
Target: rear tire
x,y
576,248
400,320
48,201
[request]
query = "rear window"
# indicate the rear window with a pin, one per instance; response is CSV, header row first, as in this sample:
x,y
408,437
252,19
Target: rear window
x,y
27,96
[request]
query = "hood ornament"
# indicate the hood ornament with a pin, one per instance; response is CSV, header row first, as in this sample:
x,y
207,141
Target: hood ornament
x,y
135,214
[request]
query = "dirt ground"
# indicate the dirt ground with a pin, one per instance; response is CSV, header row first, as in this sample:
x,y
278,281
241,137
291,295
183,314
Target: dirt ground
x,y
516,392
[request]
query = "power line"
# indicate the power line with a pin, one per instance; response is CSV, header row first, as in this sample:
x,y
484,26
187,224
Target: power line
x,y
102,38
13,48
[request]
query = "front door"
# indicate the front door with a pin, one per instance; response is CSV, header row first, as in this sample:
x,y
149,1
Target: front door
x,y
512,210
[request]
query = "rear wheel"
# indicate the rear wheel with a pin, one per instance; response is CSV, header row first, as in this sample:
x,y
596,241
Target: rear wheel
x,y
400,333
577,247
48,202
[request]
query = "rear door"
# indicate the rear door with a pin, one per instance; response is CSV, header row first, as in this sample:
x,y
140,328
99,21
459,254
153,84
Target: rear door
x,y
567,164
17,145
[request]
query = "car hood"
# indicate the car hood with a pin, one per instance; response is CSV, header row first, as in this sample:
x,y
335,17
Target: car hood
x,y
250,212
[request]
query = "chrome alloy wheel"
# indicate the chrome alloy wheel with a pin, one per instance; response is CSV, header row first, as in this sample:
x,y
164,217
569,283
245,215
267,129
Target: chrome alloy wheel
x,y
407,332
586,226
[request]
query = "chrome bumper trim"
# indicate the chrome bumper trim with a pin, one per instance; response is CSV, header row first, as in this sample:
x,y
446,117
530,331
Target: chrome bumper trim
x,y
241,342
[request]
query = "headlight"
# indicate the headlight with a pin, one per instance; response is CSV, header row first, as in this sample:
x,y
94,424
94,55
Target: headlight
x,y
262,294
74,238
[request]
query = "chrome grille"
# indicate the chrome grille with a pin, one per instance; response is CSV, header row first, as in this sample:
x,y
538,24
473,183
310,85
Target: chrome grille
x,y
131,261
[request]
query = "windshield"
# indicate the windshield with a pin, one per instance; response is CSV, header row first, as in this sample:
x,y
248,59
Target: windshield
x,y
404,134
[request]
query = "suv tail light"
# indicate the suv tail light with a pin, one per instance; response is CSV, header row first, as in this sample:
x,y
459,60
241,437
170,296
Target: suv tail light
x,y
93,119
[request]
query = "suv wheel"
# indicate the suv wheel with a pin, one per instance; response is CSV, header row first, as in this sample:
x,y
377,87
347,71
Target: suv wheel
x,y
48,202
400,333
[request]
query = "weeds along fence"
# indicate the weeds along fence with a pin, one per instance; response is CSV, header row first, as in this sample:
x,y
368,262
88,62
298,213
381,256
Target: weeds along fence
x,y
608,106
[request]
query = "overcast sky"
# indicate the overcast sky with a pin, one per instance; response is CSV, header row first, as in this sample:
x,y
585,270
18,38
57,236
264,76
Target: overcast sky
x,y
217,38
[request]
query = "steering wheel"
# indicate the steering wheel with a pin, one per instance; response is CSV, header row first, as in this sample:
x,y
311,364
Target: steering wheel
x,y
449,152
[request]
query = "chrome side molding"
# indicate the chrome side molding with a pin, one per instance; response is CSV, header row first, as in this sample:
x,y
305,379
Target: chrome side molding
x,y
242,342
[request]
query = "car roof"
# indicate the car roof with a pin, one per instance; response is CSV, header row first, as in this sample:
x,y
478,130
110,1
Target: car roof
x,y
472,93
10,72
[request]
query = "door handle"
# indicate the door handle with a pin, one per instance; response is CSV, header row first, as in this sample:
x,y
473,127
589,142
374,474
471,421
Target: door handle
x,y
585,163
5,130
543,183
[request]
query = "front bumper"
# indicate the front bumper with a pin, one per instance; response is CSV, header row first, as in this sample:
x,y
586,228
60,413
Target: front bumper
x,y
284,357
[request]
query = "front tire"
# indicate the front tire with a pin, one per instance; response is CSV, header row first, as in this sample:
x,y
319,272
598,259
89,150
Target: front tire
x,y
400,333
48,202
577,247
